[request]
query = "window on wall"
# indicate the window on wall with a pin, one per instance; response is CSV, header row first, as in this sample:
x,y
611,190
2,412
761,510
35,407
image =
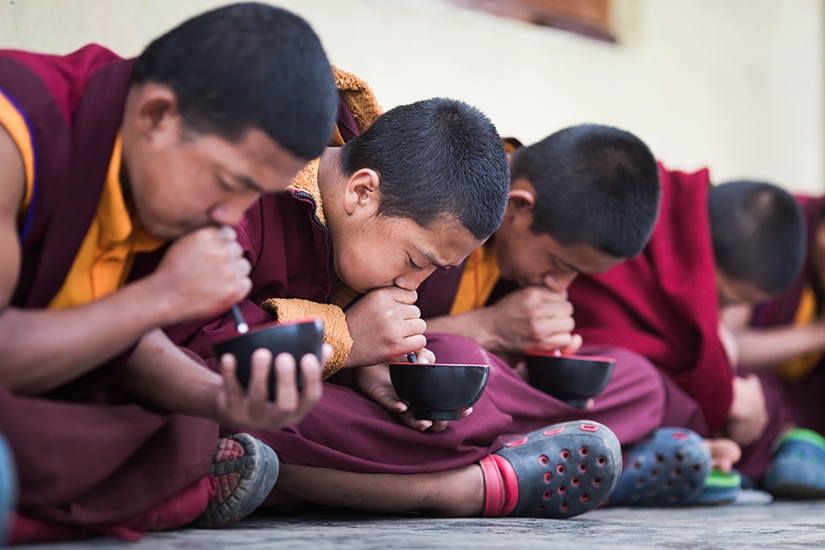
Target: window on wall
x,y
588,17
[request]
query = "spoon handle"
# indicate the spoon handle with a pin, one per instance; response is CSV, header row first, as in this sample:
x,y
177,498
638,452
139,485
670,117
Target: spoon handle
x,y
240,322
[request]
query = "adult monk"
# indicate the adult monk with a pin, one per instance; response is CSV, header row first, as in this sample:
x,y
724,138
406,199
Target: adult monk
x,y
116,177
739,242
582,200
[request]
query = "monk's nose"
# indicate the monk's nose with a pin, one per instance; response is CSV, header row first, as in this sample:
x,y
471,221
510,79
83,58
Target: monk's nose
x,y
411,281
231,211
559,283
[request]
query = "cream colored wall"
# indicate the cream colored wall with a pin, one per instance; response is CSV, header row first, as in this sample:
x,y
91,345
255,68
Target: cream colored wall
x,y
733,84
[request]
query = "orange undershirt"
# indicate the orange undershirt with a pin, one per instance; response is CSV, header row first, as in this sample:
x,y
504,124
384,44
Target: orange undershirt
x,y
15,124
114,237
799,367
481,273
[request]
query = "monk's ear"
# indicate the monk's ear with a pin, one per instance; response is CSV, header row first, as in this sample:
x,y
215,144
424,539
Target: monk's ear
x,y
157,107
363,192
521,202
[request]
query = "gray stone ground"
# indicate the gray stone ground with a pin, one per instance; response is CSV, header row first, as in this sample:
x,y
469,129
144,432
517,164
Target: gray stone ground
x,y
778,525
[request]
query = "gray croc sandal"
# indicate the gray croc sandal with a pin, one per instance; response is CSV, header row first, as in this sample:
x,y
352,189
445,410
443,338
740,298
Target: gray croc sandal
x,y
246,471
564,470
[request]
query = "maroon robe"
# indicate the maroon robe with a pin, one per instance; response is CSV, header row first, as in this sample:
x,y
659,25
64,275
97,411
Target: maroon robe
x,y
83,460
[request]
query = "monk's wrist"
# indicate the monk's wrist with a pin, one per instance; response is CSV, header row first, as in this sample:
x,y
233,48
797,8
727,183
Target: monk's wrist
x,y
482,322
157,301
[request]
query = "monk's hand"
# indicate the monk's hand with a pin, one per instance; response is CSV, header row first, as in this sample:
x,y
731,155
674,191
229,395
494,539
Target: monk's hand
x,y
251,408
724,453
533,317
748,414
729,343
375,383
202,273
385,323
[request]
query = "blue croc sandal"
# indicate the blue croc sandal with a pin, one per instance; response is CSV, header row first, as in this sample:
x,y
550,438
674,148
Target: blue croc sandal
x,y
720,488
563,470
670,468
798,467
8,489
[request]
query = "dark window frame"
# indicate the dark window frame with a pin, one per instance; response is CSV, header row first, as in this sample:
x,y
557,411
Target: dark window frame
x,y
588,17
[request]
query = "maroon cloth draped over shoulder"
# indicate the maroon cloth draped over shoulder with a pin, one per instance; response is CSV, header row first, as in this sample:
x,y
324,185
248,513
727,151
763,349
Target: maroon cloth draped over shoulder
x,y
85,454
662,304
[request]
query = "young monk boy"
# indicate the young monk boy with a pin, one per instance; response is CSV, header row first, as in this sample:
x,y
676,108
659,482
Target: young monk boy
x,y
102,161
739,242
782,341
420,188
583,200
787,334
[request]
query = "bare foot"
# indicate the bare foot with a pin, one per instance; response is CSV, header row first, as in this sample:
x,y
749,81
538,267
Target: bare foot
x,y
724,453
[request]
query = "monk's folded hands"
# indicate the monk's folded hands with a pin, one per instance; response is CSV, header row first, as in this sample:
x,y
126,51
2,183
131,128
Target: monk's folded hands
x,y
202,273
748,414
531,317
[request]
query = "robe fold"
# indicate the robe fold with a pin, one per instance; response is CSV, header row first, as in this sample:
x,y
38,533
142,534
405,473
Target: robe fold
x,y
87,455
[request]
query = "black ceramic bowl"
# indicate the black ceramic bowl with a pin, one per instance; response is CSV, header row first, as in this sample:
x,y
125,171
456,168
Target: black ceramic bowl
x,y
438,391
571,378
295,338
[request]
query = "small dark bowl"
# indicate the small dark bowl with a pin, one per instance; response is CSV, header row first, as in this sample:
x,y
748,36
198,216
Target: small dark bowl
x,y
438,391
571,378
295,338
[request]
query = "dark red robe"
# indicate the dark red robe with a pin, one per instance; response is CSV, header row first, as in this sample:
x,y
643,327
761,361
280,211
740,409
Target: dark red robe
x,y
83,460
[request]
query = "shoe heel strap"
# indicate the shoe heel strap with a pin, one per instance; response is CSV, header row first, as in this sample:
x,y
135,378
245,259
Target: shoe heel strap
x,y
493,487
510,479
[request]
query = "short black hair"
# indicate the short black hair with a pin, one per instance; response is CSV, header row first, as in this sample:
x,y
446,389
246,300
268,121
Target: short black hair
x,y
595,185
247,66
758,232
435,157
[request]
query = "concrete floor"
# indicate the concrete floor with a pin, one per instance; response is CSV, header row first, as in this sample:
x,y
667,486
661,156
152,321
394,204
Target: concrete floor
x,y
778,525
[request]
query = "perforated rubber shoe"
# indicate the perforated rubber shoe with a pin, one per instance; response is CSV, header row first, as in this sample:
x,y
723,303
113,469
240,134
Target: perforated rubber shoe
x,y
246,471
562,471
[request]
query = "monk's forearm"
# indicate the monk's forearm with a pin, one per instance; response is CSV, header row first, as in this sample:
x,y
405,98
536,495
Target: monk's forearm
x,y
160,373
769,347
473,325
43,349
